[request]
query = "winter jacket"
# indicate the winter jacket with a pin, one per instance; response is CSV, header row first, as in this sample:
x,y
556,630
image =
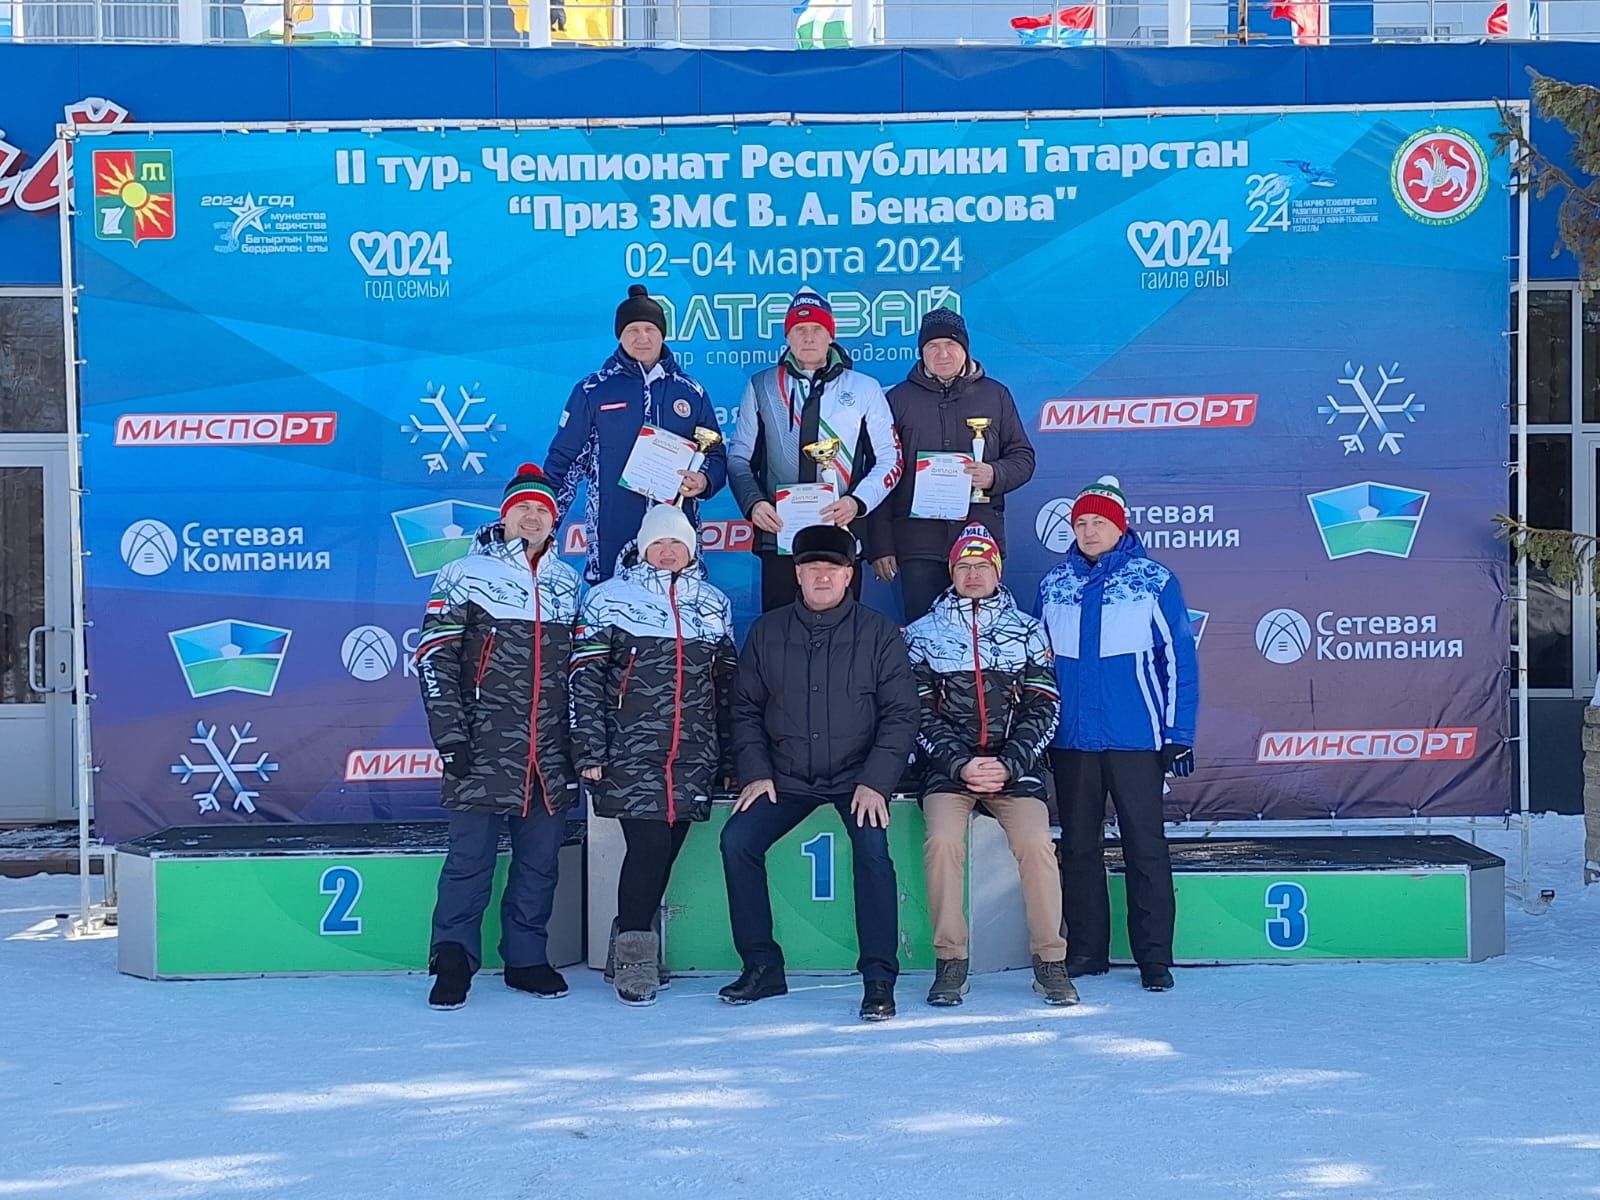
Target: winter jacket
x,y
1125,660
824,701
652,677
931,417
598,429
492,660
987,682
782,411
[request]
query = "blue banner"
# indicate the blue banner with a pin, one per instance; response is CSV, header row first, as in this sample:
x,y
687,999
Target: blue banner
x,y
313,358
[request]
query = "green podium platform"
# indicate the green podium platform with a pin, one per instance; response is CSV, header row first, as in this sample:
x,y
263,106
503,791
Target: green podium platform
x,y
809,876
245,900
1294,899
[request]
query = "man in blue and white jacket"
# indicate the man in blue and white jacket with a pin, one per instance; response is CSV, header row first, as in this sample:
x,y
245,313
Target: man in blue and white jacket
x,y
1125,663
641,384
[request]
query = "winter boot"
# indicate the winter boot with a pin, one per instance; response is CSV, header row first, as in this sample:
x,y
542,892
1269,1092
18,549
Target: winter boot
x,y
1050,981
664,980
452,975
636,981
755,983
543,981
1155,977
949,983
1079,965
877,1000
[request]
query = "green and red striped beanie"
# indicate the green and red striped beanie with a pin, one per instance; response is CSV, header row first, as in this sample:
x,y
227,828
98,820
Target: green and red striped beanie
x,y
529,483
1103,498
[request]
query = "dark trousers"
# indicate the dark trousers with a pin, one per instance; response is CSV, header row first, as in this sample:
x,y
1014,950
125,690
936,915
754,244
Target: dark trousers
x,y
748,836
921,581
1133,779
652,849
468,878
779,587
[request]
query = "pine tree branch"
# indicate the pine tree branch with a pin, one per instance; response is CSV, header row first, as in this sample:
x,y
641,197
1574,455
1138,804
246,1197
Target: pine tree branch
x,y
1564,556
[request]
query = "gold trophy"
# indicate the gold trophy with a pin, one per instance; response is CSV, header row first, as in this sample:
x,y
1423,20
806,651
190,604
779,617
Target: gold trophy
x,y
978,425
823,453
705,439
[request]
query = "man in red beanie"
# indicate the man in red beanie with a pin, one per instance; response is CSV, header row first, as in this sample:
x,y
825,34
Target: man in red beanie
x,y
986,679
813,394
492,660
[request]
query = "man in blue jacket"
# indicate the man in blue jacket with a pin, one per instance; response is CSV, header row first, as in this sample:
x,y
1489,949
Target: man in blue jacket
x,y
1126,667
640,384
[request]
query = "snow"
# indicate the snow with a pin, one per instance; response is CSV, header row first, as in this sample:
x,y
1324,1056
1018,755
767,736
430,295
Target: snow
x,y
1338,1081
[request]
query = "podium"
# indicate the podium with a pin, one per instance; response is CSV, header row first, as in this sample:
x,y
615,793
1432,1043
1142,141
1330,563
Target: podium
x,y
243,900
1292,899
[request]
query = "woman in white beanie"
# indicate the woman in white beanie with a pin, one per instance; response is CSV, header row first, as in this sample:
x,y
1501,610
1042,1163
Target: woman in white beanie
x,y
652,666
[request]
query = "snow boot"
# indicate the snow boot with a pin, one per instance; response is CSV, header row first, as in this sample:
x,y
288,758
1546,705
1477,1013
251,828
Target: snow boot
x,y
636,981
755,983
452,975
877,1000
949,983
663,979
1050,981
543,981
1155,977
1081,965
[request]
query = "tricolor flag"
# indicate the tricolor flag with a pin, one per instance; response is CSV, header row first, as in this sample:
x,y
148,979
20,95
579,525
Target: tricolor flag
x,y
1310,21
822,26
1067,27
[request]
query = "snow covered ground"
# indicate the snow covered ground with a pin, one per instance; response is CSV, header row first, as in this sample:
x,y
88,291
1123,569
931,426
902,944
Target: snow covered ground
x,y
1421,1082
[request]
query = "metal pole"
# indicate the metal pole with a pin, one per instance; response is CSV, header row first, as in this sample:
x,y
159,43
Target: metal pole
x,y
1522,509
1517,20
1180,22
83,781
191,22
539,24
861,22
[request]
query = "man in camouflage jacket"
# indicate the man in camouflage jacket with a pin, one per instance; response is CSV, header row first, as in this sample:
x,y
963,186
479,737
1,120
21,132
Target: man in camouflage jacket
x,y
492,660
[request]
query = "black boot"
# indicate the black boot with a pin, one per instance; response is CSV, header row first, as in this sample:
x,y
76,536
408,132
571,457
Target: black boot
x,y
1155,977
663,977
543,981
877,1000
756,983
452,975
1080,965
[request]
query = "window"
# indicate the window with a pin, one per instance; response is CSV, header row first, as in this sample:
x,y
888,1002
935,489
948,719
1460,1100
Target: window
x,y
33,379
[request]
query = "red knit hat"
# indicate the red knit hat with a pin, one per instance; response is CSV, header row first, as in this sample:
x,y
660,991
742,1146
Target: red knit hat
x,y
529,483
1103,498
976,542
809,308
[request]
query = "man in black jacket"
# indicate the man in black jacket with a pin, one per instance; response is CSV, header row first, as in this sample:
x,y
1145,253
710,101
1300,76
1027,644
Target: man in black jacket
x,y
931,408
824,712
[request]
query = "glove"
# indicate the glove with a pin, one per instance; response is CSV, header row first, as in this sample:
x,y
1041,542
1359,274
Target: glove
x,y
1176,760
456,763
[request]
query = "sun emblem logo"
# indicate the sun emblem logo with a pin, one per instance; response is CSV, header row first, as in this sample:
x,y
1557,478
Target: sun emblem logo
x,y
134,200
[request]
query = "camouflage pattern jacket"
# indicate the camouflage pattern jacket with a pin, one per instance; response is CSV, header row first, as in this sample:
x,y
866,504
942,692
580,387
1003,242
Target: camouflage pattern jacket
x,y
652,674
987,681
492,659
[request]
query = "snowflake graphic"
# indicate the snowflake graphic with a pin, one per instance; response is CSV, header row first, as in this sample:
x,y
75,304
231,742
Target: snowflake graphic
x,y
224,768
454,427
1372,408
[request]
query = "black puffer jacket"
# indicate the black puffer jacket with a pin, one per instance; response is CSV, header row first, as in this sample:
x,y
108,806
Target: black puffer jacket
x,y
492,660
652,679
824,701
932,417
986,677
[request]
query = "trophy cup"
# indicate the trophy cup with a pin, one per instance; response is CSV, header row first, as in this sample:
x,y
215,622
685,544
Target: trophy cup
x,y
823,453
705,439
978,425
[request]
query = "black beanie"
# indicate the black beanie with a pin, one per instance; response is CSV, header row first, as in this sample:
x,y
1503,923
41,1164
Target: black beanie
x,y
639,307
943,323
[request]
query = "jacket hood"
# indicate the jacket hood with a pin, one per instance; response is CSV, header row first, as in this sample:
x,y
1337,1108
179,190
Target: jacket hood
x,y
630,563
919,375
839,361
490,540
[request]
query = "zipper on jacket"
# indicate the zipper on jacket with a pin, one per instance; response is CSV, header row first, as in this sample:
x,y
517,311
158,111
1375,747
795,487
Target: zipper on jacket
x,y
532,768
977,673
677,694
483,662
627,674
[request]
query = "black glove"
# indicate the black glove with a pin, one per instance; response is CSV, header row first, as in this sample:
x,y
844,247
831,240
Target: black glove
x,y
1176,760
457,764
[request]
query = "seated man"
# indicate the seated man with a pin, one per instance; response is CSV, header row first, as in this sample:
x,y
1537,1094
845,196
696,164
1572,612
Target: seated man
x,y
824,712
986,677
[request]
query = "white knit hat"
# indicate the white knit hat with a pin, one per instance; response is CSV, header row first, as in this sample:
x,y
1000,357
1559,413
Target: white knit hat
x,y
664,521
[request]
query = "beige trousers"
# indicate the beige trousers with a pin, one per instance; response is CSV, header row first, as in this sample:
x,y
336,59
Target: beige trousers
x,y
944,857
